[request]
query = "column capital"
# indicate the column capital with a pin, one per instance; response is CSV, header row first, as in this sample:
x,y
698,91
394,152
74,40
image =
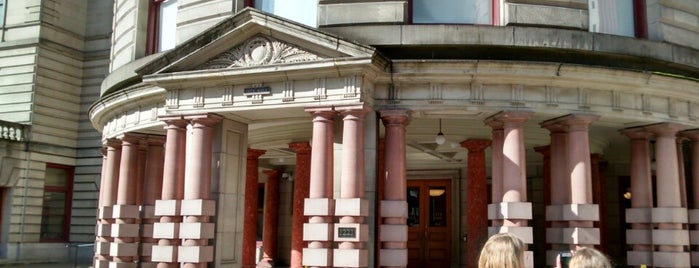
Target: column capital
x,y
544,150
510,116
475,145
255,153
203,120
636,133
359,110
573,122
300,147
131,138
113,143
392,117
664,129
271,172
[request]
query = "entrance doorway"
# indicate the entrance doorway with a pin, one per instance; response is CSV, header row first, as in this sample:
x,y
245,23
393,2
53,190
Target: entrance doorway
x,y
429,220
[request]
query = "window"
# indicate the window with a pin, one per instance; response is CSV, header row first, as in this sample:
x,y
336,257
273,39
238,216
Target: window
x,y
453,11
302,11
616,17
55,214
2,12
162,26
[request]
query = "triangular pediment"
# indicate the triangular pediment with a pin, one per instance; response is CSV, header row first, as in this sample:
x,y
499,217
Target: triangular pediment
x,y
251,39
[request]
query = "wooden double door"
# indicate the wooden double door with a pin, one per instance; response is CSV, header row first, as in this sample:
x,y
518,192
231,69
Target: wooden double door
x,y
429,223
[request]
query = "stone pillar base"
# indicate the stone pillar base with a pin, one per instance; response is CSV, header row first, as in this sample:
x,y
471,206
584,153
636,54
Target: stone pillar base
x,y
195,254
164,254
317,257
671,259
393,257
350,258
638,258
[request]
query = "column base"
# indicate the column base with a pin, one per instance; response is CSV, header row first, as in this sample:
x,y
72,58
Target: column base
x,y
195,254
350,258
318,257
671,259
638,258
393,257
164,254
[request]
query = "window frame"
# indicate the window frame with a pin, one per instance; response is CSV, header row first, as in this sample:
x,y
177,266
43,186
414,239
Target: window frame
x,y
3,12
640,19
494,15
68,190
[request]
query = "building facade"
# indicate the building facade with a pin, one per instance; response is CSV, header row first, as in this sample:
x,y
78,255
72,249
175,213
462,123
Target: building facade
x,y
352,133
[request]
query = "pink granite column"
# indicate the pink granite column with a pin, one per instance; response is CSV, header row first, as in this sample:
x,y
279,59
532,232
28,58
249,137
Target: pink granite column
x,y
514,185
166,230
394,208
681,171
108,194
693,136
667,176
477,192
124,250
152,185
380,186
599,198
319,205
351,207
496,167
639,235
251,197
271,220
558,189
196,230
301,187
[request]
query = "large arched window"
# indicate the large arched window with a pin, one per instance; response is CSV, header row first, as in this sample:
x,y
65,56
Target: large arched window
x,y
453,11
302,11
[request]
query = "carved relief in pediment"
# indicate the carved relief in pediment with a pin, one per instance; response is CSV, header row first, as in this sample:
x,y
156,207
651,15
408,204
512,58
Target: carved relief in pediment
x,y
259,50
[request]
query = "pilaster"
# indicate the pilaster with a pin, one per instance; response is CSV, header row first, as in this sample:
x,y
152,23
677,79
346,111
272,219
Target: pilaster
x,y
477,208
251,198
301,188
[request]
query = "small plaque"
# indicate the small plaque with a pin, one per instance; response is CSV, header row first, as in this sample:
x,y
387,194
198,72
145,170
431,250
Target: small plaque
x,y
347,232
261,90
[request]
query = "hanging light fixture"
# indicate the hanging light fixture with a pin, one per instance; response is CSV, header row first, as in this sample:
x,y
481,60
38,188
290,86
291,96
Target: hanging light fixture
x,y
440,139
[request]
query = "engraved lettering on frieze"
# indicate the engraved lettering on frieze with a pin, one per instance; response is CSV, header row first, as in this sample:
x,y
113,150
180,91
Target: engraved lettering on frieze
x,y
551,97
172,101
645,104
435,93
321,92
583,95
288,91
257,51
227,96
616,101
477,94
198,98
672,107
352,86
517,95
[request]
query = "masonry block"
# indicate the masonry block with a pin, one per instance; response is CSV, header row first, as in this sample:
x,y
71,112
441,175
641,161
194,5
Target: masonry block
x,y
671,237
105,212
671,259
695,258
350,258
693,215
103,229
638,215
393,257
168,230
581,236
639,237
516,210
638,258
344,231
554,235
147,249
149,264
394,233
317,257
125,230
394,209
694,237
123,249
197,230
102,248
669,215
351,207
198,207
167,207
164,253
195,254
318,207
525,233
101,264
317,232
147,230
148,212
554,213
125,212
122,265
580,212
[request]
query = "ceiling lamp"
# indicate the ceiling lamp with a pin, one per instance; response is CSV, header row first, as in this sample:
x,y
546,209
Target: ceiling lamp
x,y
440,139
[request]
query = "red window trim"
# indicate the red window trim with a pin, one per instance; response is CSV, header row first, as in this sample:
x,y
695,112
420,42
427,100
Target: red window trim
x,y
494,15
152,29
640,19
249,3
68,189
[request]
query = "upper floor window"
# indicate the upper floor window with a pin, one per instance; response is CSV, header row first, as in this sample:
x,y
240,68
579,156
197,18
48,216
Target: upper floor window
x,y
617,17
302,11
55,213
2,12
162,25
453,11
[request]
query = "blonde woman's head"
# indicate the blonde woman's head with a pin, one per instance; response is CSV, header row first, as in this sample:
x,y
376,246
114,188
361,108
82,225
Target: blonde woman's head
x,y
589,258
502,250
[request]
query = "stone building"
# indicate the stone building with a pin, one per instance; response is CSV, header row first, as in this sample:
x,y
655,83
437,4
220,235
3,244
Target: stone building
x,y
350,133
